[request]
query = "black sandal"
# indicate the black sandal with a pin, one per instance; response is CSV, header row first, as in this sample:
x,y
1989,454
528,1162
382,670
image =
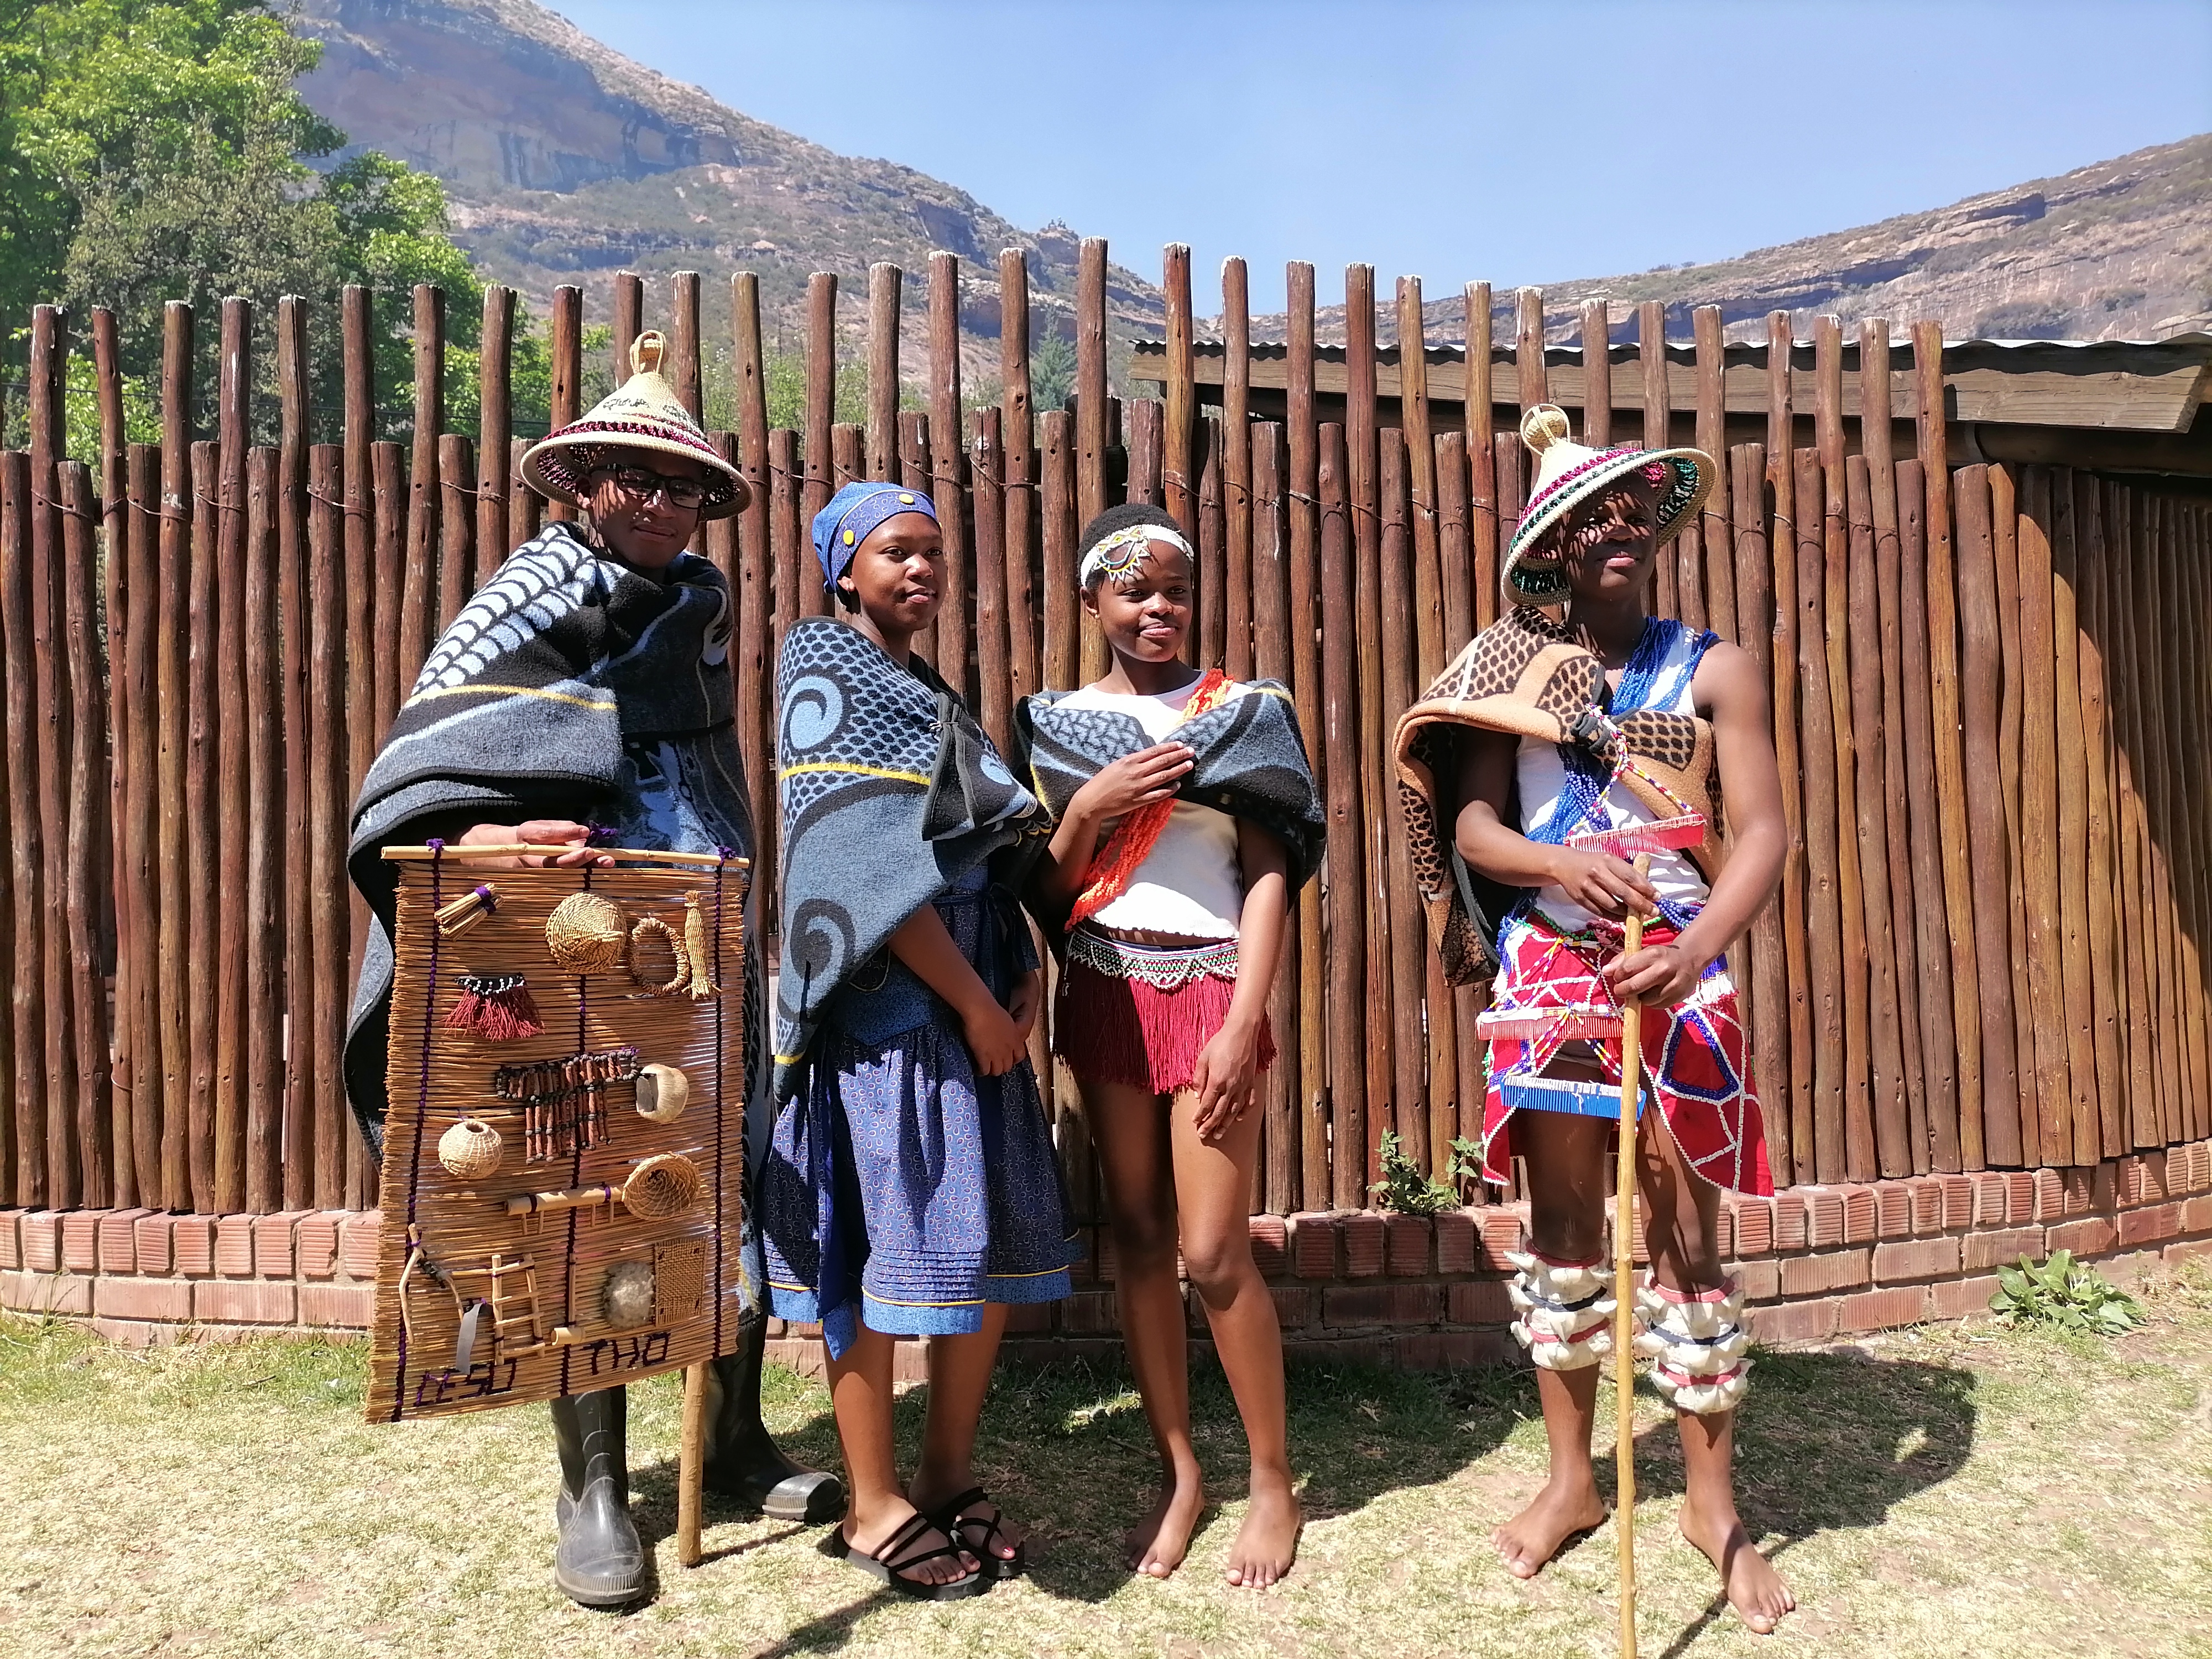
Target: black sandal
x,y
951,1520
887,1566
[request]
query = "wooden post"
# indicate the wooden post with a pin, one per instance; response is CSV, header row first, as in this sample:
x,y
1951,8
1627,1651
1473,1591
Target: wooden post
x,y
1861,1154
1485,531
629,322
298,1138
457,530
1213,565
796,572
201,826
1823,880
1939,1047
1893,1140
886,282
235,381
27,838
2093,611
1301,511
755,580
114,518
1597,373
2178,728
387,471
1532,381
1651,360
1272,659
1882,743
1714,527
419,600
683,369
1409,1048
1980,667
263,825
1061,640
955,635
2004,527
2076,963
326,889
944,643
1178,431
138,832
1229,611
1361,446
1783,550
993,625
1018,468
564,401
1623,1267
1348,1014
2042,831
1144,418
1769,1003
1091,410
493,432
1943,681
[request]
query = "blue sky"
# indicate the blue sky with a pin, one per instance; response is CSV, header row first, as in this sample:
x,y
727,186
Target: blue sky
x,y
1452,141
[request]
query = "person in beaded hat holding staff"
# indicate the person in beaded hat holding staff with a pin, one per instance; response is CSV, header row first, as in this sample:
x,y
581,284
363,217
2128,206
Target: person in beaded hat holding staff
x,y
1490,760
588,681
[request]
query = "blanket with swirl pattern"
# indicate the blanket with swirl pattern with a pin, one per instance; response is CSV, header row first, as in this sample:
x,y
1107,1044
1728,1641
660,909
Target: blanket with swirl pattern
x,y
892,792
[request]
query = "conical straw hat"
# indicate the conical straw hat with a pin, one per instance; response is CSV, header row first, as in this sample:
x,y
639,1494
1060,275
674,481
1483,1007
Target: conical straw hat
x,y
1568,473
644,413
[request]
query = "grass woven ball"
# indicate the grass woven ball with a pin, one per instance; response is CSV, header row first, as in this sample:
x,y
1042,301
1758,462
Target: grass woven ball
x,y
586,934
470,1149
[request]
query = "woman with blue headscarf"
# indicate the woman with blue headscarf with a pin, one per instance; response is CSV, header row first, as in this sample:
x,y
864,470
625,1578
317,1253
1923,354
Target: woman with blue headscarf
x,y
910,1188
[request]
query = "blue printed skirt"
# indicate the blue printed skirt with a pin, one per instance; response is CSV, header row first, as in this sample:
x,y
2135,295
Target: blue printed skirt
x,y
902,1190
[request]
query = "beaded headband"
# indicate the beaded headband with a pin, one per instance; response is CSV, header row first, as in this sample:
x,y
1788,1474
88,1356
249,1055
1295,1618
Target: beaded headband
x,y
1115,557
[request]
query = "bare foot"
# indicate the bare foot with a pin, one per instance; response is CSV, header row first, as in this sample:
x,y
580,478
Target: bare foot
x,y
1754,1589
939,1570
1157,1543
1267,1542
1532,1537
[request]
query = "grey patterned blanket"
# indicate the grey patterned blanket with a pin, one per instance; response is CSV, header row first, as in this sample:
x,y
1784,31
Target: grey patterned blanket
x,y
570,687
891,793
1251,762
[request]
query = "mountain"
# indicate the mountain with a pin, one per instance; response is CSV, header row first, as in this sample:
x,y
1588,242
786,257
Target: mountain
x,y
566,162
2117,250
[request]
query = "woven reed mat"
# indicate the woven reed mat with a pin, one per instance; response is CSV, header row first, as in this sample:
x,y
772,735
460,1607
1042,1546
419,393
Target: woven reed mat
x,y
545,1332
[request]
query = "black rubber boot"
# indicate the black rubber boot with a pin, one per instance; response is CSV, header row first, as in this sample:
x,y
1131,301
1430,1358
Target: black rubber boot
x,y
598,1561
742,1463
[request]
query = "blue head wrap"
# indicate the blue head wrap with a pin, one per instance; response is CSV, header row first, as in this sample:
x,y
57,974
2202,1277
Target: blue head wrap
x,y
853,512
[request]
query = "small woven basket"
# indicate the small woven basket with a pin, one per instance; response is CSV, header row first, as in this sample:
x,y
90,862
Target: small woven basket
x,y
586,935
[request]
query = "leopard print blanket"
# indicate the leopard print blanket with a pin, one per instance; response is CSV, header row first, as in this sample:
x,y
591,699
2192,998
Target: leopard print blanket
x,y
1526,676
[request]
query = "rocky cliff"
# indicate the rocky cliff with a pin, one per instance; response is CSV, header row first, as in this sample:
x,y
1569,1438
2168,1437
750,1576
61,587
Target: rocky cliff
x,y
566,162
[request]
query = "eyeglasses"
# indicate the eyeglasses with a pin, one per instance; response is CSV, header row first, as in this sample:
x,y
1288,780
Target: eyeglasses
x,y
642,484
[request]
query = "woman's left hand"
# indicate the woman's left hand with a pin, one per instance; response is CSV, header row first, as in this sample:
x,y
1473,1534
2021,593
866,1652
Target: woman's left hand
x,y
1022,1005
1226,1077
1657,976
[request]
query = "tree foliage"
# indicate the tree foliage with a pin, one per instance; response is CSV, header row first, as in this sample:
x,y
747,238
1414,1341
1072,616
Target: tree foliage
x,y
153,152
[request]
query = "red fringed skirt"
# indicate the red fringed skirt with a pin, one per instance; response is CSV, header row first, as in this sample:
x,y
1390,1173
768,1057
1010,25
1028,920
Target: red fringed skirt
x,y
1696,1061
1140,1014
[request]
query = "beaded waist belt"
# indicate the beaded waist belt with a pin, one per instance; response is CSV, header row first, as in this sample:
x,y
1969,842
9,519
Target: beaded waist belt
x,y
1164,968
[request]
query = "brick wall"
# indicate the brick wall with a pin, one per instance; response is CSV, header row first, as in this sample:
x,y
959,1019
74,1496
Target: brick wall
x,y
1816,1262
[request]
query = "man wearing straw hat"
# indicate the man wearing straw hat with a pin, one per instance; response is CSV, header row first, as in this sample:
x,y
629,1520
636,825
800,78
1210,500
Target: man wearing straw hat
x,y
1543,758
584,691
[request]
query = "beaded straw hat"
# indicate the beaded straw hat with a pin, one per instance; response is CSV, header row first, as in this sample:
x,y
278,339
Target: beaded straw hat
x,y
1569,473
644,413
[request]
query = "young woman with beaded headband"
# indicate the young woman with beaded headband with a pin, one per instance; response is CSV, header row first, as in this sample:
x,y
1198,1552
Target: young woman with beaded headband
x,y
1185,818
1595,523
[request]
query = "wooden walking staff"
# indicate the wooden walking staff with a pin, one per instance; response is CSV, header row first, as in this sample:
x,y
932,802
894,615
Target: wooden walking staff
x,y
688,1476
1624,1268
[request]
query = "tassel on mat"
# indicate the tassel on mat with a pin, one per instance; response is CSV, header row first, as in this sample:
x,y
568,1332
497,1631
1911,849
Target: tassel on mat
x,y
497,1007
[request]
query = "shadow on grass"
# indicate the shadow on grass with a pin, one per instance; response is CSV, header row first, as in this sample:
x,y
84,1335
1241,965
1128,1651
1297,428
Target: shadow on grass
x,y
1826,1441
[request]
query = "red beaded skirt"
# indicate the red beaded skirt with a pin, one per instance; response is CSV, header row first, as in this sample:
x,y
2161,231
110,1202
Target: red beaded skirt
x,y
1141,1014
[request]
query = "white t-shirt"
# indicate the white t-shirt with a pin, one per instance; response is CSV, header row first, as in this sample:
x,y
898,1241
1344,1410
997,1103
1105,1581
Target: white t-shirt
x,y
1190,883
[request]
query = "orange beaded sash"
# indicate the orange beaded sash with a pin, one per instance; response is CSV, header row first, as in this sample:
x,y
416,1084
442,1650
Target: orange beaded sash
x,y
1132,839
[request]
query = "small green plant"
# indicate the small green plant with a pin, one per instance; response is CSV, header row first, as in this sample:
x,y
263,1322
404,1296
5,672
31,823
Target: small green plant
x,y
2064,1292
1405,1188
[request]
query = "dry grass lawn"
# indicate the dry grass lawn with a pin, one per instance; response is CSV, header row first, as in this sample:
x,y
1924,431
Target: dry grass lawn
x,y
1954,1492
